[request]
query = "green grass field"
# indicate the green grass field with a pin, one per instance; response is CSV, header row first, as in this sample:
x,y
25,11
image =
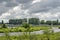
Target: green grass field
x,y
54,36
22,29
46,36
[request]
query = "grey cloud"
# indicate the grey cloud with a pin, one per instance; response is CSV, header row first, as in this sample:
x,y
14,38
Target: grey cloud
x,y
3,10
11,4
23,1
50,6
5,0
44,6
26,6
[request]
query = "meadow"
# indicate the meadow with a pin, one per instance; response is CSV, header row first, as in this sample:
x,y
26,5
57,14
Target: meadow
x,y
22,29
48,34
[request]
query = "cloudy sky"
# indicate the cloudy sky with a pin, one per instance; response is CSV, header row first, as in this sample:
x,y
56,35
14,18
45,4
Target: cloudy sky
x,y
43,9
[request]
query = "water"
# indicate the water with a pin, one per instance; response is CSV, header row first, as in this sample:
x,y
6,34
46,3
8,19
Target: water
x,y
55,29
21,33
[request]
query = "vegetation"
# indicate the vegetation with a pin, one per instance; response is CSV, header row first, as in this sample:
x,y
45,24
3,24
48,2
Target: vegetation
x,y
23,29
2,22
54,36
27,27
34,21
17,21
4,26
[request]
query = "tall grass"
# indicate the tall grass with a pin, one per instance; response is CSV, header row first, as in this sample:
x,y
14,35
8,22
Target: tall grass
x,y
28,36
56,36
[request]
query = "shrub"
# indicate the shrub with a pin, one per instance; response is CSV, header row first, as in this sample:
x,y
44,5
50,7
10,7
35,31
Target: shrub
x,y
25,25
4,26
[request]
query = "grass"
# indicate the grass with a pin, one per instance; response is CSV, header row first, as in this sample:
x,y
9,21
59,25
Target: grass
x,y
46,36
54,36
22,29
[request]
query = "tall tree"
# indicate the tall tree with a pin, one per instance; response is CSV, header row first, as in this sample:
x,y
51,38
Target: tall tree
x,y
48,22
57,21
2,22
34,21
4,26
42,22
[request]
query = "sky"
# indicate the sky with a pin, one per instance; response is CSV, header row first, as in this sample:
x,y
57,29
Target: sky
x,y
42,9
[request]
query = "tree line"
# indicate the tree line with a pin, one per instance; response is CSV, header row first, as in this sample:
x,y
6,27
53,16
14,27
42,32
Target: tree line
x,y
34,21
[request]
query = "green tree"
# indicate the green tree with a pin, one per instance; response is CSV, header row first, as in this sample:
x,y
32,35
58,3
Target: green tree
x,y
42,22
15,21
54,22
57,21
25,25
48,22
2,22
34,21
4,26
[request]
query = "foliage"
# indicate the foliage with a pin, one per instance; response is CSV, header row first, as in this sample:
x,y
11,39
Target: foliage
x,y
25,25
46,36
48,22
42,22
56,36
17,21
34,21
24,29
2,22
4,26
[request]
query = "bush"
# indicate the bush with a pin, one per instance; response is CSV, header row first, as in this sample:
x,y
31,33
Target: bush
x,y
59,27
25,25
1,31
4,26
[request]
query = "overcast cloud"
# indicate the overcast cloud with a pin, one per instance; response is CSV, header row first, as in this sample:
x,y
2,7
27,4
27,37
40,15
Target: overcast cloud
x,y
43,9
